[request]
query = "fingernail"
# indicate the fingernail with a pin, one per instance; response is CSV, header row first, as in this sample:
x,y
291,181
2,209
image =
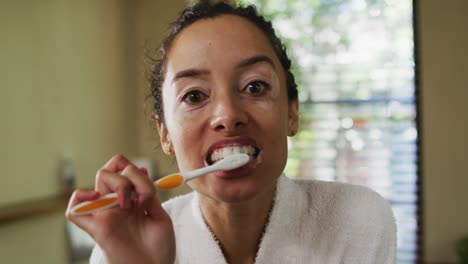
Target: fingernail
x,y
144,170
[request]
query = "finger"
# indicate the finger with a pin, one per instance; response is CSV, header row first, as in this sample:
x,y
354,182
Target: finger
x,y
77,197
141,183
111,182
145,171
116,163
80,196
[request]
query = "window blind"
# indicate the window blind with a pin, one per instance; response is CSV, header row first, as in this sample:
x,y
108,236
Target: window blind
x,y
355,71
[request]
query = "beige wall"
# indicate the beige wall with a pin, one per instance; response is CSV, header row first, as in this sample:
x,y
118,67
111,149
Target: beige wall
x,y
70,86
444,91
145,50
65,92
34,241
146,46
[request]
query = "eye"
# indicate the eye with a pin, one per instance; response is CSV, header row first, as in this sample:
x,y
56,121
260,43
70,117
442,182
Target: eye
x,y
256,88
194,97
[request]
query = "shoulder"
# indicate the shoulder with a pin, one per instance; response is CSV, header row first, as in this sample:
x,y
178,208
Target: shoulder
x,y
179,204
358,213
356,204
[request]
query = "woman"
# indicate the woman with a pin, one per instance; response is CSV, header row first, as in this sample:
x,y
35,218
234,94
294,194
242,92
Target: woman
x,y
224,85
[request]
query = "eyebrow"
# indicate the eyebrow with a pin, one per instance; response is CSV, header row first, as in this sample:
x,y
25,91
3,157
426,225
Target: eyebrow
x,y
254,60
245,63
189,73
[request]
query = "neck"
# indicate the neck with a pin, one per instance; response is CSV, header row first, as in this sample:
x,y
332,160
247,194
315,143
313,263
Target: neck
x,y
238,227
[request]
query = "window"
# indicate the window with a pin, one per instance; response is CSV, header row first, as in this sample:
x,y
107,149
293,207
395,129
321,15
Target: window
x,y
355,71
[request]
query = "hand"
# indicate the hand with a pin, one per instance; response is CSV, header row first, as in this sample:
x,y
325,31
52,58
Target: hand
x,y
139,230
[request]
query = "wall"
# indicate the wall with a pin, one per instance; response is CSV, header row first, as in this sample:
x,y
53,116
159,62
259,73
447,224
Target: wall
x,y
444,90
70,87
146,46
65,92
145,50
35,240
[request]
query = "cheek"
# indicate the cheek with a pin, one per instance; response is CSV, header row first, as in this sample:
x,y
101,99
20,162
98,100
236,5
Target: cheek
x,y
273,130
179,124
272,115
186,135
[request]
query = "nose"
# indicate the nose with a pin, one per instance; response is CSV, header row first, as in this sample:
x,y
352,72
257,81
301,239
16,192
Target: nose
x,y
228,114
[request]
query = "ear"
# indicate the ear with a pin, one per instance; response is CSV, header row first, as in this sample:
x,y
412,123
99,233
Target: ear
x,y
164,137
293,117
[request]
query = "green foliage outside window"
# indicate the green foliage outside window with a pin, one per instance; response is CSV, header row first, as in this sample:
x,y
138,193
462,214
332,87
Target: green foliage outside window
x,y
354,65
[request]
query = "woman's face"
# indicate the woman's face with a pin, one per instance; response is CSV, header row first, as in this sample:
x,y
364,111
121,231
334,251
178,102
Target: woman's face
x,y
224,92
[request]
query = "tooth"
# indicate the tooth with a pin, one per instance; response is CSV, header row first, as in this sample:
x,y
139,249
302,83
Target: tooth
x,y
214,155
242,149
220,153
250,150
237,150
227,151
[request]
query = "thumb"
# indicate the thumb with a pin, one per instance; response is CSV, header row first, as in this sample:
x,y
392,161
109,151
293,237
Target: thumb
x,y
79,196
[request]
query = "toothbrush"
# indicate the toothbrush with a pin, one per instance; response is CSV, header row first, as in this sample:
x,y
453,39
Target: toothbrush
x,y
166,183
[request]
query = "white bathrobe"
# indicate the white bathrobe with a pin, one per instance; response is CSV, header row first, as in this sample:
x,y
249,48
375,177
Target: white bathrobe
x,y
311,222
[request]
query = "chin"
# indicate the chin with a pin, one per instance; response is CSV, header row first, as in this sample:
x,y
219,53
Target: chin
x,y
235,196
232,191
240,191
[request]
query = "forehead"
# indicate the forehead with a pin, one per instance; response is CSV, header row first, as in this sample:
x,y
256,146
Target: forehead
x,y
226,39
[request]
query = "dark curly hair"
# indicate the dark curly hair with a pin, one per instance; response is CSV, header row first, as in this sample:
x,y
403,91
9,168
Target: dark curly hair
x,y
206,10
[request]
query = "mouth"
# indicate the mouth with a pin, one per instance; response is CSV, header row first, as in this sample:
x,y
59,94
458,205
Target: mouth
x,y
219,152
